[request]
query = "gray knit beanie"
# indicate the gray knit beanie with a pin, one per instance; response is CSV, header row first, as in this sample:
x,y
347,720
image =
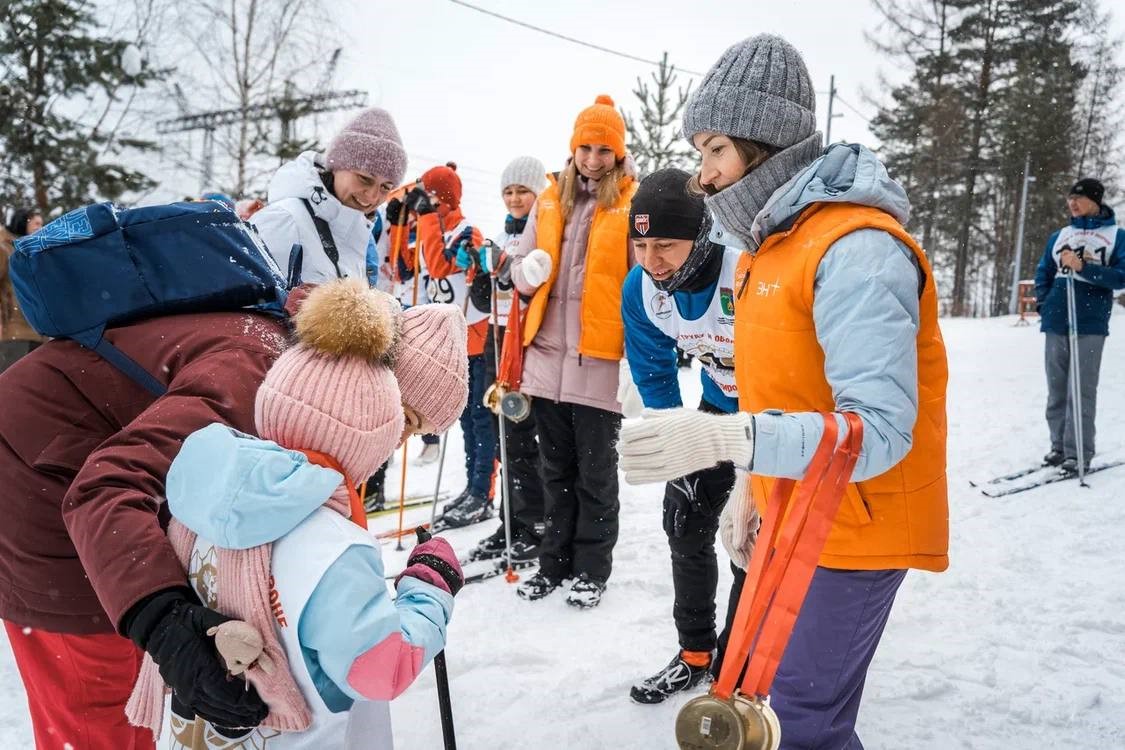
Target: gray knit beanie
x,y
370,143
759,90
527,171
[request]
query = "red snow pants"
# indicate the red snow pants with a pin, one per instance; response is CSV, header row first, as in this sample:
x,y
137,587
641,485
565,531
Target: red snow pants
x,y
77,687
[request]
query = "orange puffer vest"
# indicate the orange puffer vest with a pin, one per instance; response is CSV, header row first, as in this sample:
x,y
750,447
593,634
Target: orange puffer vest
x,y
899,519
607,263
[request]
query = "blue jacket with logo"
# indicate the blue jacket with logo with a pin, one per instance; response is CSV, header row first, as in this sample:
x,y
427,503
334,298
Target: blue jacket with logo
x,y
1093,302
652,353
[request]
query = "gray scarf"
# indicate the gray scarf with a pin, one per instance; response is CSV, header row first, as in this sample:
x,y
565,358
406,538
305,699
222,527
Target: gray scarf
x,y
737,206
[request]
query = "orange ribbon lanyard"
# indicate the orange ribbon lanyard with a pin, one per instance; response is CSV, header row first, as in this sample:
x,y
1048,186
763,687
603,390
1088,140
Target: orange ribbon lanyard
x,y
355,503
785,558
511,348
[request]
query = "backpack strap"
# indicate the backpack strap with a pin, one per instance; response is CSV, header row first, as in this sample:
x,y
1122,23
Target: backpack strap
x,y
326,240
125,364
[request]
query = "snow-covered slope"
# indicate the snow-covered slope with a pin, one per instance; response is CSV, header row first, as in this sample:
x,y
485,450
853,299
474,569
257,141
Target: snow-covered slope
x,y
1020,644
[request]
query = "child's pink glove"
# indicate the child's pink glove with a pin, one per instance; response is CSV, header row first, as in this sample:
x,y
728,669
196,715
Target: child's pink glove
x,y
434,562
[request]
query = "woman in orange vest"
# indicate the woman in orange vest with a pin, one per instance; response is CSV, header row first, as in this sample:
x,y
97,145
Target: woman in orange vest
x,y
835,311
572,260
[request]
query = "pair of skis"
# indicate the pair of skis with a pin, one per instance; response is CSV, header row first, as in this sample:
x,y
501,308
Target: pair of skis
x,y
1039,476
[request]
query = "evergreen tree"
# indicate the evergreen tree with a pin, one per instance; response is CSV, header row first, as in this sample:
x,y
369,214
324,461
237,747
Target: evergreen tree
x,y
60,77
991,84
655,139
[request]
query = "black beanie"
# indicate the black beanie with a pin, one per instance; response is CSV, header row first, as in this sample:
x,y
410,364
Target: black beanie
x,y
1090,188
663,207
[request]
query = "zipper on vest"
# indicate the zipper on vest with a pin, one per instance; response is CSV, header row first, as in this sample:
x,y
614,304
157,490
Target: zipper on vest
x,y
579,359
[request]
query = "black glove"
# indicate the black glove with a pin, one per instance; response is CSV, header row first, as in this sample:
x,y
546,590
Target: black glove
x,y
681,496
394,211
418,201
173,630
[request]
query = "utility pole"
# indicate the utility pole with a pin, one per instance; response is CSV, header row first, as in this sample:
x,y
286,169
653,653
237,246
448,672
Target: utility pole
x,y
1013,299
831,98
287,108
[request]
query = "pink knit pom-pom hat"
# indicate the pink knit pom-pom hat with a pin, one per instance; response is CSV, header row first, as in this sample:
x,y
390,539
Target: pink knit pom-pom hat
x,y
432,362
333,392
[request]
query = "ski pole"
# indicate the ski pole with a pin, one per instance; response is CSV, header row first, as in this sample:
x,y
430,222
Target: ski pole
x,y
1075,376
440,467
505,489
445,704
413,302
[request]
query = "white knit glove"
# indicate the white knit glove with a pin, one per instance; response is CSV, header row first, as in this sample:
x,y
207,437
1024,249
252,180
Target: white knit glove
x,y
670,443
627,393
537,267
738,523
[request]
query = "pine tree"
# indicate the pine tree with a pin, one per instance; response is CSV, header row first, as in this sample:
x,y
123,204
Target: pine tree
x,y
990,84
655,139
61,77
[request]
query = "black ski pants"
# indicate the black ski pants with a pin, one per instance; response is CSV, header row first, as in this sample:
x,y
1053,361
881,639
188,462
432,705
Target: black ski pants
x,y
523,460
692,505
578,466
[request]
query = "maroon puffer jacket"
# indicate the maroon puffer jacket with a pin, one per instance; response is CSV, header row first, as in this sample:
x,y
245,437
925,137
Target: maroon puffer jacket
x,y
83,455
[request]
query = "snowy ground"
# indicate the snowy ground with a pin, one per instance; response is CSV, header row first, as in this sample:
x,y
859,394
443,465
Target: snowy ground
x,y
1020,644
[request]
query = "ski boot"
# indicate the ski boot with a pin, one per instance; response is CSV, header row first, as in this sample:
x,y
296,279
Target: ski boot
x,y
489,548
674,678
538,586
1054,458
375,501
473,509
586,593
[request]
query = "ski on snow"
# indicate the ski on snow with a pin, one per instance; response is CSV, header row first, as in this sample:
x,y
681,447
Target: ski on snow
x,y
412,501
1029,479
475,573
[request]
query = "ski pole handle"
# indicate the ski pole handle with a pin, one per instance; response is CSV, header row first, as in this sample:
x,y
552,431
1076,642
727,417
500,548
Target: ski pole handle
x,y
423,534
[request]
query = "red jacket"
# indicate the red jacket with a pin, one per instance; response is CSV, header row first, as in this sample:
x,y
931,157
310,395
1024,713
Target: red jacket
x,y
84,452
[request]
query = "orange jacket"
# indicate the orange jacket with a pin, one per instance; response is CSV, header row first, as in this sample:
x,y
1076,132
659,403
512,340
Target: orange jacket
x,y
898,519
602,332
430,236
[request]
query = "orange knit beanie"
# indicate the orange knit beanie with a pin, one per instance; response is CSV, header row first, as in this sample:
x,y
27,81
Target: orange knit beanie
x,y
600,123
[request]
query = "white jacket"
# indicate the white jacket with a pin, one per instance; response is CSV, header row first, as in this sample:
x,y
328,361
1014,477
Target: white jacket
x,y
285,222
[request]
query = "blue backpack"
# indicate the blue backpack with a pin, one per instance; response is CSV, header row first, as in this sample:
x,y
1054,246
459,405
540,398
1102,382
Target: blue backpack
x,y
103,265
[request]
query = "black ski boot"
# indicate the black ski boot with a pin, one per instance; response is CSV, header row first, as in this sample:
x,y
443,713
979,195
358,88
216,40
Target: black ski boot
x,y
375,501
586,593
674,678
538,586
1054,458
489,548
473,509
524,549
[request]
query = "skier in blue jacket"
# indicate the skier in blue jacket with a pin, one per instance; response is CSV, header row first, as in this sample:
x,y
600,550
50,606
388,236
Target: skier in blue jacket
x,y
680,294
1091,252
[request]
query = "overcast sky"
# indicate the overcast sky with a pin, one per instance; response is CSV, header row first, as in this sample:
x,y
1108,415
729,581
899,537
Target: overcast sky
x,y
471,88
478,90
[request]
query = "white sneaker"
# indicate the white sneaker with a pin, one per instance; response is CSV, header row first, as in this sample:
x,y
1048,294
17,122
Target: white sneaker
x,y
429,455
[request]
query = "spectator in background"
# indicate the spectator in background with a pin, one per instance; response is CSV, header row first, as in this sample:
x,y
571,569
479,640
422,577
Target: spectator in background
x,y
17,338
1091,251
321,201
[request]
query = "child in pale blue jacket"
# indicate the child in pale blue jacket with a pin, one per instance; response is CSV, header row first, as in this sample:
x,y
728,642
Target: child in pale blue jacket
x,y
271,531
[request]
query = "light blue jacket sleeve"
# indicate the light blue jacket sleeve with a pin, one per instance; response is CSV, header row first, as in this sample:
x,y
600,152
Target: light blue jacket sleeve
x,y
866,313
369,644
651,353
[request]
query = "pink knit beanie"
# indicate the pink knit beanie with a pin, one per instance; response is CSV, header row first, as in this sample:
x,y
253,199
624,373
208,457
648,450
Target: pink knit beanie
x,y
432,362
333,391
369,143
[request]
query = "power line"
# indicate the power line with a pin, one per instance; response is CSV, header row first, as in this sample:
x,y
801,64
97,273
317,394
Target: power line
x,y
571,39
861,116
